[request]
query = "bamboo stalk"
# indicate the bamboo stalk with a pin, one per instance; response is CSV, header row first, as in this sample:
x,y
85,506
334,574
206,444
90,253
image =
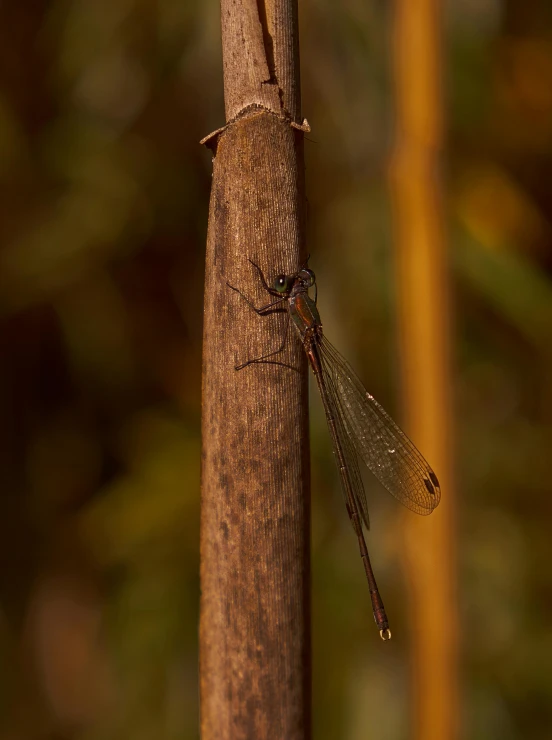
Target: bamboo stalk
x,y
254,621
423,290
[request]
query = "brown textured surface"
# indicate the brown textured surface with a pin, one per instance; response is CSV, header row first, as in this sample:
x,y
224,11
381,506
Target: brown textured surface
x,y
260,50
254,624
254,523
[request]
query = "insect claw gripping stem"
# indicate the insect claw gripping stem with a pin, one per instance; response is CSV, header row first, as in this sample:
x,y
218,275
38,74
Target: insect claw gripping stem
x,y
263,309
263,279
263,358
269,308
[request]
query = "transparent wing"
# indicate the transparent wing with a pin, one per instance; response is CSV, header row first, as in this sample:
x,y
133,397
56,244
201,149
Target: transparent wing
x,y
384,448
349,454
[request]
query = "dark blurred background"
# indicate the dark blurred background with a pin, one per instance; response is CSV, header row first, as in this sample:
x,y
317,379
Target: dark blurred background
x,y
103,211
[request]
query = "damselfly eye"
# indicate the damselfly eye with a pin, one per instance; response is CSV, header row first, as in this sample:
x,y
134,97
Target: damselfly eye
x,y
281,283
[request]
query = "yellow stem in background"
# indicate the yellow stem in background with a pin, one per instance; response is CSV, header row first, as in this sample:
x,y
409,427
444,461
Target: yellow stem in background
x,y
423,295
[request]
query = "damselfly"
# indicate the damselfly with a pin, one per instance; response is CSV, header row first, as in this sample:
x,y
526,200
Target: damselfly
x,y
359,427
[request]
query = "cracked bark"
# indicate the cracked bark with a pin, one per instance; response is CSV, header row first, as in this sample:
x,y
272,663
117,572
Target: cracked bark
x,y
254,623
259,43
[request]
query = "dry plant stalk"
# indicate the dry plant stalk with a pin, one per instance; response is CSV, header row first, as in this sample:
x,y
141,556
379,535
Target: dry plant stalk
x,y
425,330
254,623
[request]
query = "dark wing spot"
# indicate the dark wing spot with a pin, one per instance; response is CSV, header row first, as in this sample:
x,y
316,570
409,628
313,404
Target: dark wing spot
x,y
429,486
434,479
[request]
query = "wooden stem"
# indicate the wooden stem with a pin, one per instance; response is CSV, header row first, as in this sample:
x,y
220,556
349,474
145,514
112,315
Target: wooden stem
x,y
254,623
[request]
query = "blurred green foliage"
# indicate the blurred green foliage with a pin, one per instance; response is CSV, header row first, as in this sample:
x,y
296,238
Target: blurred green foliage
x,y
103,219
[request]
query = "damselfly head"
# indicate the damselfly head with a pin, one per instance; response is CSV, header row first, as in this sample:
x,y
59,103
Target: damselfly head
x,y
284,283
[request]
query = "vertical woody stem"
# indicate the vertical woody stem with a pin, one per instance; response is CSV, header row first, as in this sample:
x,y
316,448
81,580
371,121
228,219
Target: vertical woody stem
x,y
254,623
